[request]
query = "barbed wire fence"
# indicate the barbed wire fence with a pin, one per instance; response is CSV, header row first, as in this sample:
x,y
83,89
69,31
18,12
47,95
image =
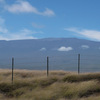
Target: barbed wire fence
x,y
79,63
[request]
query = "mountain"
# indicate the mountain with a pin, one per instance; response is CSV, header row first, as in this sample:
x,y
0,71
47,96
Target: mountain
x,y
62,52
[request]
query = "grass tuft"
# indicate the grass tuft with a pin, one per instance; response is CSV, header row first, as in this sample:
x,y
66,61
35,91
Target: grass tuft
x,y
60,85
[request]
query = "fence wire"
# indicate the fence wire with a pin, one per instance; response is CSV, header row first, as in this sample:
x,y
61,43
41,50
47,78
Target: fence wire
x,y
88,63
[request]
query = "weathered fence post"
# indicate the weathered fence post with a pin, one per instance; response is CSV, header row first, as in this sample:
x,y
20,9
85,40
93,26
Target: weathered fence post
x,y
78,63
47,66
12,68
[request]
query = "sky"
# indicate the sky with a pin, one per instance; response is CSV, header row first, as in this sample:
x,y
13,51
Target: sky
x,y
35,19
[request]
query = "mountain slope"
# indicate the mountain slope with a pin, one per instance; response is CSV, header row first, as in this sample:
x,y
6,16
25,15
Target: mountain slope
x,y
31,54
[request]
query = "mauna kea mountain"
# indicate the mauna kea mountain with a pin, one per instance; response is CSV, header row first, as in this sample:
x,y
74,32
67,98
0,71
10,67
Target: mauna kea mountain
x,y
62,53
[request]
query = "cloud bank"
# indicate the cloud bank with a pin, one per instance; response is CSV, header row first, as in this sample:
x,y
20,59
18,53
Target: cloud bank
x,y
91,34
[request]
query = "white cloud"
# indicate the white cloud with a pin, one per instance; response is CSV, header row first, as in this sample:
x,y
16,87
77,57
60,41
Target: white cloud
x,y
43,49
17,36
92,34
22,34
26,7
27,31
47,12
65,48
85,46
5,34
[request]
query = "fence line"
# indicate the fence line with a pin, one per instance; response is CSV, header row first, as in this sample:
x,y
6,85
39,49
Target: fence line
x,y
79,63
68,62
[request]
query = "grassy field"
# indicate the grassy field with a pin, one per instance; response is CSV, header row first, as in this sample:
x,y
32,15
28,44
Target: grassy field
x,y
60,85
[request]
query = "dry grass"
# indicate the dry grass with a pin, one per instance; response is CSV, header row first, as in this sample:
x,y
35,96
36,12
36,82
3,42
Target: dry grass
x,y
60,85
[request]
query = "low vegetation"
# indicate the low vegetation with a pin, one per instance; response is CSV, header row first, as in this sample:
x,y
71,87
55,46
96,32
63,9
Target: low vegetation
x,y
59,85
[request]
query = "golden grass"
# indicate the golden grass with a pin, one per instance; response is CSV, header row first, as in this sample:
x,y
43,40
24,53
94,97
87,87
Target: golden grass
x,y
60,85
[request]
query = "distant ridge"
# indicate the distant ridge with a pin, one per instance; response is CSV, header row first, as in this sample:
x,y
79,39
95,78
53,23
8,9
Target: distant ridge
x,y
32,53
31,46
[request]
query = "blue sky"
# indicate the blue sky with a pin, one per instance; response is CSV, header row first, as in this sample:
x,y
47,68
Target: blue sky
x,y
33,19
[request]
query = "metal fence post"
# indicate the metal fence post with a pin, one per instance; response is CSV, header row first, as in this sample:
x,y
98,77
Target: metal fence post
x,y
47,66
12,68
78,63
